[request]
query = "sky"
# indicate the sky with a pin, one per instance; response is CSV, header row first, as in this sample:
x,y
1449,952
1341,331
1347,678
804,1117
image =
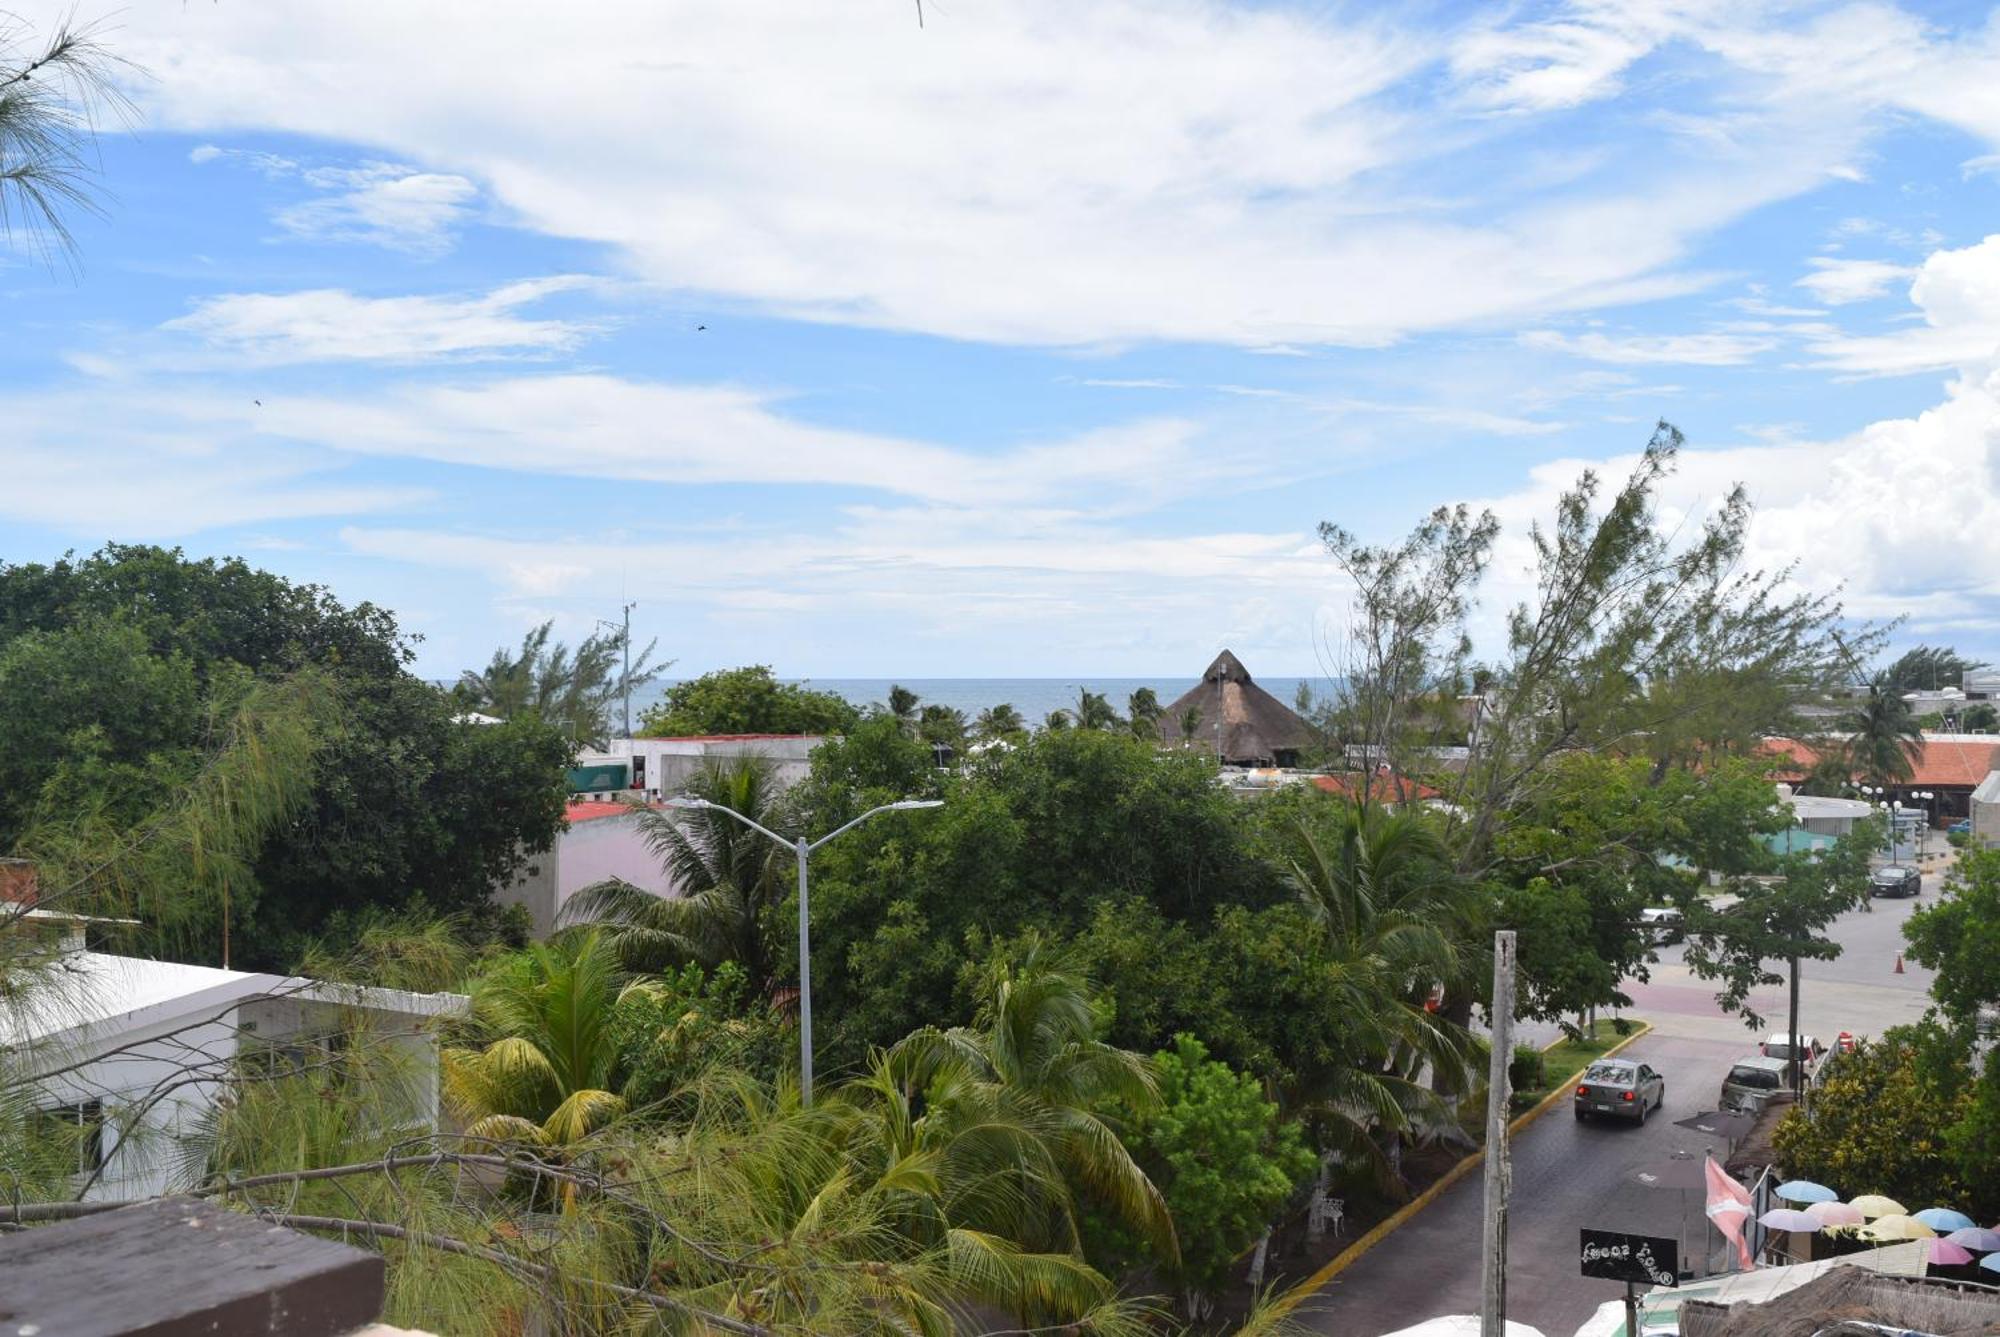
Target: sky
x,y
1033,339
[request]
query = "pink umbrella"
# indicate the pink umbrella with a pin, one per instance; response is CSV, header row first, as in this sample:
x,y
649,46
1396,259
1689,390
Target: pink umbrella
x,y
1945,1253
1836,1214
1784,1218
1977,1240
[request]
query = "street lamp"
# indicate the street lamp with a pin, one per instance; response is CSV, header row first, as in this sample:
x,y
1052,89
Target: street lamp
x,y
802,849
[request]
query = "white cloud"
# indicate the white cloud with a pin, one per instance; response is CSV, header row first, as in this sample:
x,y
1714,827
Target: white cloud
x,y
332,325
133,468
1838,282
1958,292
1699,350
383,204
1046,173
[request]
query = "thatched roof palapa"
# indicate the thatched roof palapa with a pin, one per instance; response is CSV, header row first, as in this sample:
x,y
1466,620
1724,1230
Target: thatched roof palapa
x,y
1248,725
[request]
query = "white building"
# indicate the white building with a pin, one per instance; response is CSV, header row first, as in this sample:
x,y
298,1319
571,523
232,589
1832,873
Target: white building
x,y
661,767
138,1053
602,841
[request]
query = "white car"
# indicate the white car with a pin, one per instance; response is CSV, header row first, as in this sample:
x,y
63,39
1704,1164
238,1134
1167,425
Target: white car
x,y
1663,923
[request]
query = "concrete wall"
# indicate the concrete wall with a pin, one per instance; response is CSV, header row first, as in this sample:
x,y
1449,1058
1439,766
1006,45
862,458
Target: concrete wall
x,y
594,850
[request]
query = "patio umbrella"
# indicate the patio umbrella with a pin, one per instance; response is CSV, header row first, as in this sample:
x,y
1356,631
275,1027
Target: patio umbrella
x,y
1836,1214
1945,1254
1784,1218
1896,1228
1804,1190
1460,1325
1991,1262
1975,1239
1944,1219
1873,1205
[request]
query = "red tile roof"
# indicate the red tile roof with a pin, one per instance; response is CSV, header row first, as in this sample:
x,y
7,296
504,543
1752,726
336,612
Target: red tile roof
x,y
589,810
1940,762
1343,785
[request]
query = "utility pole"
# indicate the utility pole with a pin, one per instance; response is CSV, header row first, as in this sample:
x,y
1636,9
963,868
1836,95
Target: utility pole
x,y
625,681
1499,1165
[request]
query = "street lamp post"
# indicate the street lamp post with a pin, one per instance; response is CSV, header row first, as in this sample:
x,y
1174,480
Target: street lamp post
x,y
802,849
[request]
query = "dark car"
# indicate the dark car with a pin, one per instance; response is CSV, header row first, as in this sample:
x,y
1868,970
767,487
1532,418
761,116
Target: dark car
x,y
1896,880
1619,1088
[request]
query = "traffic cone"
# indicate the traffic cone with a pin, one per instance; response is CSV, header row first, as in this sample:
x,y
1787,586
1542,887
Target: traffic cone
x,y
1899,963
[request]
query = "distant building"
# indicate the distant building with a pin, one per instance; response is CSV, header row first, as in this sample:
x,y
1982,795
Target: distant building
x,y
1237,721
1947,766
656,768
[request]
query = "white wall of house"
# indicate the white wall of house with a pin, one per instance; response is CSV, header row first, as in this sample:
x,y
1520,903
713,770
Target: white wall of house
x,y
595,848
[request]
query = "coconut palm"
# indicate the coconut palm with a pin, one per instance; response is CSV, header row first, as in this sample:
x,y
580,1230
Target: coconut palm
x,y
1091,711
1143,711
997,722
548,1073
1393,920
1190,723
1884,738
903,705
723,878
1025,1086
944,728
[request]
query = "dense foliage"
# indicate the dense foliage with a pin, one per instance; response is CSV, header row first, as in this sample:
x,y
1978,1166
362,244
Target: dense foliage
x,y
745,700
119,672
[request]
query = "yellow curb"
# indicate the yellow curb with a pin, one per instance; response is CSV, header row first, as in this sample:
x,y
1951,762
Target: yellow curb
x,y
1351,1255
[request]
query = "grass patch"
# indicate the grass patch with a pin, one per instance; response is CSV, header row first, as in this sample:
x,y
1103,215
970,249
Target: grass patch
x,y
1561,1062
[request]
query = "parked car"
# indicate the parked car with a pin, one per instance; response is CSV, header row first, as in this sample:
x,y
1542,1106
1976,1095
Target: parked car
x,y
1619,1088
1663,924
1961,827
1896,880
1752,1081
1810,1051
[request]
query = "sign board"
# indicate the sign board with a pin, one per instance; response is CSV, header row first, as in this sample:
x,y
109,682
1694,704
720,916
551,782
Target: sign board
x,y
1619,1257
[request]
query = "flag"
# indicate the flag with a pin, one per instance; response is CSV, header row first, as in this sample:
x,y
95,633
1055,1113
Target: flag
x,y
1729,1208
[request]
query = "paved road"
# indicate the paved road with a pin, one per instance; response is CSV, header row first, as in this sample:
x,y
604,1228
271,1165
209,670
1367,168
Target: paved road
x,y
1568,1175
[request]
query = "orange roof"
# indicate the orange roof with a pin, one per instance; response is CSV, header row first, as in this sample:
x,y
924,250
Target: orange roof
x,y
589,810
1343,785
1940,761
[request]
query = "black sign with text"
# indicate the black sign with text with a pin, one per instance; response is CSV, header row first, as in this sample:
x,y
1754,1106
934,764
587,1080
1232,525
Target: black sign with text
x,y
1618,1257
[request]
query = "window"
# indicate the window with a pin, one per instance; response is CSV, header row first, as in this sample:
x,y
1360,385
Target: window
x,y
292,1055
1757,1079
80,1125
1608,1074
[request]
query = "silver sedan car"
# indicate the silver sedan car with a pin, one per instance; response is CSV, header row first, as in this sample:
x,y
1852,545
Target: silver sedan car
x,y
1619,1088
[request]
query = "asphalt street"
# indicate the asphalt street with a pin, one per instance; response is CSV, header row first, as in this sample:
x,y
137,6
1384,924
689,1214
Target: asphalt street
x,y
1569,1175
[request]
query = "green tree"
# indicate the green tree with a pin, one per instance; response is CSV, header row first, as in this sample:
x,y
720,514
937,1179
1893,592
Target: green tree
x,y
1884,737
547,1069
1142,712
1928,668
1981,718
746,700
1223,1158
903,705
1033,1049
1092,711
574,690
1001,722
406,803
1959,938
1190,722
943,727
724,877
1881,1122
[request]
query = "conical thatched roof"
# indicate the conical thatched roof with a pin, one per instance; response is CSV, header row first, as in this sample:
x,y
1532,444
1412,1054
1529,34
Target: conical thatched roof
x,y
1255,728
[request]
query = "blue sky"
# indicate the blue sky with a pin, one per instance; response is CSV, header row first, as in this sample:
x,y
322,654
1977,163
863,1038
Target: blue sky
x,y
1030,342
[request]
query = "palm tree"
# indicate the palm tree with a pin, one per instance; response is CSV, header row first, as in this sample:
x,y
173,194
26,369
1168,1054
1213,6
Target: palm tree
x,y
1143,710
1021,1093
1190,723
548,1073
903,705
997,722
1092,711
1884,739
723,879
944,728
1393,919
